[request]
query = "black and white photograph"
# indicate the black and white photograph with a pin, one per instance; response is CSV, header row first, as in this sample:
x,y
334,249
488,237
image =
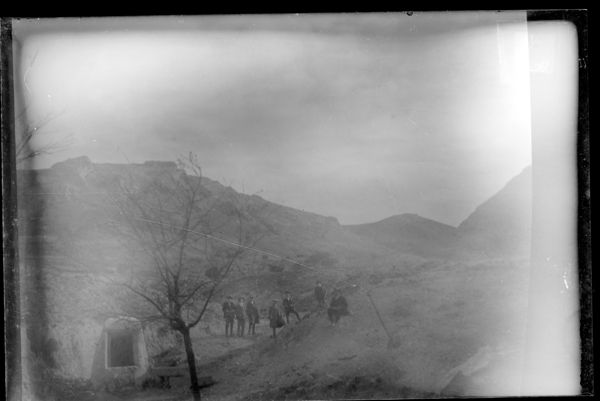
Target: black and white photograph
x,y
312,206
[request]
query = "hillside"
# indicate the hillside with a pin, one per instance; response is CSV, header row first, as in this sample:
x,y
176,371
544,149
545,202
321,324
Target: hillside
x,y
68,202
71,248
410,233
451,327
74,192
502,224
499,228
452,331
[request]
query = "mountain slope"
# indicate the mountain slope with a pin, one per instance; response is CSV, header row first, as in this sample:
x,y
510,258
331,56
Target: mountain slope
x,y
410,233
437,321
499,227
502,224
67,204
440,314
67,200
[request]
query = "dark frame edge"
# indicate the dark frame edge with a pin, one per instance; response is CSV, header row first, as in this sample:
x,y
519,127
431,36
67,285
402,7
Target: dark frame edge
x,y
584,239
12,338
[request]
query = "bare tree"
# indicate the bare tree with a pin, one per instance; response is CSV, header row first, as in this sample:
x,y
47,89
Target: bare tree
x,y
27,132
192,240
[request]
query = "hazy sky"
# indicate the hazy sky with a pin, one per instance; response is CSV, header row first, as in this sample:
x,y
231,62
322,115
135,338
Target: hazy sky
x,y
356,116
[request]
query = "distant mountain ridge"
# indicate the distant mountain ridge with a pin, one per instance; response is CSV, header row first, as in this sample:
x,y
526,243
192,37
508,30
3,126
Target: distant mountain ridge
x,y
499,227
64,204
502,224
410,233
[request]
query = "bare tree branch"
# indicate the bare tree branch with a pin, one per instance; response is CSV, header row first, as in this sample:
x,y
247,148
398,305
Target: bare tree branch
x,y
212,290
147,298
27,132
187,231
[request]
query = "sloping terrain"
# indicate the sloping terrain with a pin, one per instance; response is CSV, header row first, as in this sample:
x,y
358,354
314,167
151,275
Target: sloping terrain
x,y
73,253
66,223
68,202
412,234
454,329
450,326
69,199
500,227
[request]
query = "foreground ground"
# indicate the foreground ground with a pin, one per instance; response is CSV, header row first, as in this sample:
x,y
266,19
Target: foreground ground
x,y
447,329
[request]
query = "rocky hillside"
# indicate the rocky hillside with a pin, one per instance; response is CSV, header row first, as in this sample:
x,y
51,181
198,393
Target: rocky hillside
x,y
410,233
68,202
450,327
498,228
68,199
448,330
502,224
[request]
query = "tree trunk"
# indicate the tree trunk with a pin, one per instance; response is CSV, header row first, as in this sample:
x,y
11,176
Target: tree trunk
x,y
189,352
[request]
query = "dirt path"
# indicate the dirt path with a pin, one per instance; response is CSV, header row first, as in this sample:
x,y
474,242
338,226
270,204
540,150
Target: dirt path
x,y
448,320
449,324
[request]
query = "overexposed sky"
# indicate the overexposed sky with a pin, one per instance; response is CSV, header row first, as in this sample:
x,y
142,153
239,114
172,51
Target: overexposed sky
x,y
356,116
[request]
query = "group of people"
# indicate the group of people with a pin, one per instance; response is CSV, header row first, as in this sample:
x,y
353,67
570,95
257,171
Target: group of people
x,y
338,307
239,312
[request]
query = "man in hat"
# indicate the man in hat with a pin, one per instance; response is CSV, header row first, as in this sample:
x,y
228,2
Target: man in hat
x,y
320,295
275,318
240,317
252,313
288,307
229,315
338,307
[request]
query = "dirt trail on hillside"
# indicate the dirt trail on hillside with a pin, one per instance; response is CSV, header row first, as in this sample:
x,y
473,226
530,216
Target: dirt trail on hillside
x,y
449,323
455,329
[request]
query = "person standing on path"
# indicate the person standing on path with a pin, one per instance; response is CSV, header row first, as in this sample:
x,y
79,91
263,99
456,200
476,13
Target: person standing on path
x,y
338,307
252,313
228,315
240,316
320,295
275,318
288,307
